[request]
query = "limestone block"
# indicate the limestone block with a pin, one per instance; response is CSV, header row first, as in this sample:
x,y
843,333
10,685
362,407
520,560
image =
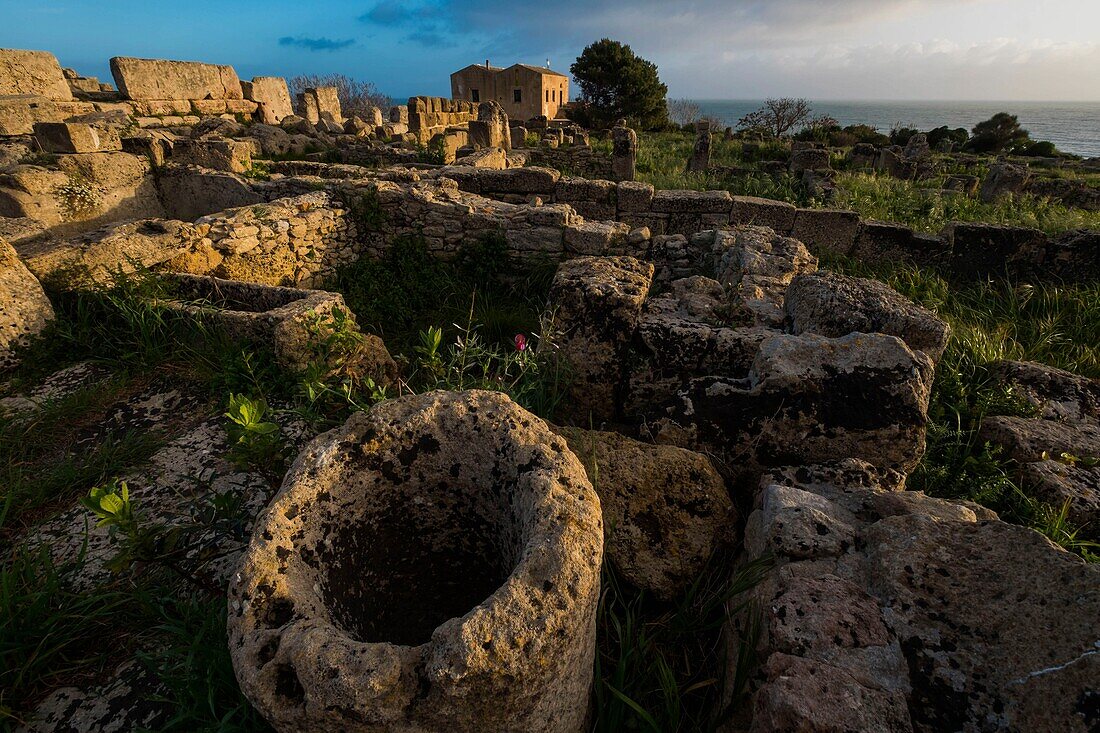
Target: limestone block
x,y
871,391
375,597
143,79
777,215
24,308
826,230
32,72
634,196
692,202
665,509
597,302
216,154
836,305
272,97
73,137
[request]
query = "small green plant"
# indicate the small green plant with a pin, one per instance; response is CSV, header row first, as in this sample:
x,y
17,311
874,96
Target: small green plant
x,y
433,153
253,440
367,211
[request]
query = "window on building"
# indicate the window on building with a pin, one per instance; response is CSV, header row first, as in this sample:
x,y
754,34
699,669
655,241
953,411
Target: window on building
x,y
517,95
547,95
475,95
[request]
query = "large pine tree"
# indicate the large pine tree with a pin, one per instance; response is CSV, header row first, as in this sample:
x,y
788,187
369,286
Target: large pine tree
x,y
616,83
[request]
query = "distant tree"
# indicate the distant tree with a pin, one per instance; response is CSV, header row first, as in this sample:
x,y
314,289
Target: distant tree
x,y
683,111
1041,149
818,129
615,83
1000,133
777,117
866,134
900,135
355,96
944,134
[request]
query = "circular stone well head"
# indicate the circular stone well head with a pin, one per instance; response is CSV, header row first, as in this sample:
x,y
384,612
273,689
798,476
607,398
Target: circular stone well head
x,y
431,565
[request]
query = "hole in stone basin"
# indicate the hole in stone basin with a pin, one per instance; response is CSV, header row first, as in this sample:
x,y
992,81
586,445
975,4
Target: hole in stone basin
x,y
405,566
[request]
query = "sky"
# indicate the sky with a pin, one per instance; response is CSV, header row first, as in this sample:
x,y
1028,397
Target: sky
x,y
712,49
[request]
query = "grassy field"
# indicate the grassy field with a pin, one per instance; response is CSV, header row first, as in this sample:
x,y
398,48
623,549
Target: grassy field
x,y
921,205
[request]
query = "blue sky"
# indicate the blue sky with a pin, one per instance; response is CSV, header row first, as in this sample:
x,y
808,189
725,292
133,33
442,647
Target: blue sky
x,y
822,49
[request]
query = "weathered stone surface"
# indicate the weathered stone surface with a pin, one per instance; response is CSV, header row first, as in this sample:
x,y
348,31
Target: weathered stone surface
x,y
1056,393
837,305
760,265
805,695
981,250
142,79
809,399
375,597
97,257
810,159
1003,179
828,230
689,332
1025,439
634,195
596,302
271,95
665,509
216,154
776,215
32,72
624,153
65,137
24,308
885,242
890,610
692,202
188,193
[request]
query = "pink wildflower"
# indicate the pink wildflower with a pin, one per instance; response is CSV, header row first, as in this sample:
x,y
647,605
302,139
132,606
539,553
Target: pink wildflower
x,y
521,342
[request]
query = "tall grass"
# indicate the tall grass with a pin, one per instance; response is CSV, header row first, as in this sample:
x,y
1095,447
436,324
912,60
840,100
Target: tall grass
x,y
924,207
1050,323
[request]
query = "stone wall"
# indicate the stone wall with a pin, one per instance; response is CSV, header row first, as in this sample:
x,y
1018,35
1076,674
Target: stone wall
x,y
578,160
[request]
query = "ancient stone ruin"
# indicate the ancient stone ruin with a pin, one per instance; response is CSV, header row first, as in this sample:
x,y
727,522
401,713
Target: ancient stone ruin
x,y
433,562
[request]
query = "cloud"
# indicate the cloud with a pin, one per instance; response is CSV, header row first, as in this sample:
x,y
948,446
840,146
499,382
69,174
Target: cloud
x,y
431,39
316,44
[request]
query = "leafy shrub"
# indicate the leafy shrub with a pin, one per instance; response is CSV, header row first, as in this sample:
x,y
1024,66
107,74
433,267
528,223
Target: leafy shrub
x,y
253,440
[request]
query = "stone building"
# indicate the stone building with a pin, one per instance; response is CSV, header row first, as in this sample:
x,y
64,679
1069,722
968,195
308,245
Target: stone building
x,y
523,91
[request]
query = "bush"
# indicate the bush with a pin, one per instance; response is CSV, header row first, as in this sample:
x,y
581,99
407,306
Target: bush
x,y
939,135
355,96
1041,149
1000,133
900,135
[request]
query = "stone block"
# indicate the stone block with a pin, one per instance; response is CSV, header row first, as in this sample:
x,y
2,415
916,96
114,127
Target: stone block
x,y
72,137
776,215
634,196
32,72
272,98
980,250
162,79
826,230
692,202
215,154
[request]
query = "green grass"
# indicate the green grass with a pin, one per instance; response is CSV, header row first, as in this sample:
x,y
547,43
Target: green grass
x,y
662,158
662,667
51,635
923,207
410,290
1050,323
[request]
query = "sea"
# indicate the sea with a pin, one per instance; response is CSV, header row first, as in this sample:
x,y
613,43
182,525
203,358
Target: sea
x,y
1074,127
